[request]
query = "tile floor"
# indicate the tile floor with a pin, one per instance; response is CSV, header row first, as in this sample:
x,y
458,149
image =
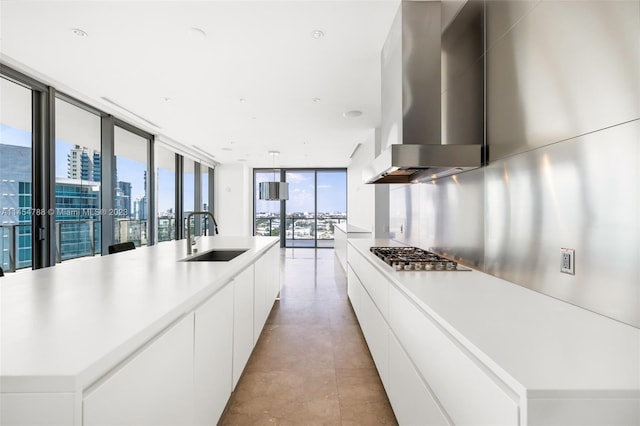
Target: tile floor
x,y
311,365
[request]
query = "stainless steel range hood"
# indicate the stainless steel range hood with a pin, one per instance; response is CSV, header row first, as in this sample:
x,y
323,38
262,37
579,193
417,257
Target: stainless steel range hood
x,y
411,136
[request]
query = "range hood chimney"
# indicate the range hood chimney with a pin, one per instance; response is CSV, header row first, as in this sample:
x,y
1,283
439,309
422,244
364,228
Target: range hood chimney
x,y
411,136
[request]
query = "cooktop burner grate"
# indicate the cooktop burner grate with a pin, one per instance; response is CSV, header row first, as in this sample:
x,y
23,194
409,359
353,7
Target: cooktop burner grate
x,y
415,259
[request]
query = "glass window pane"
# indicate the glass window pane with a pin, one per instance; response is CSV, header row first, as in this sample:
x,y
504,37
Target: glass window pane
x,y
78,172
166,178
188,192
204,175
131,210
267,213
15,174
301,210
332,204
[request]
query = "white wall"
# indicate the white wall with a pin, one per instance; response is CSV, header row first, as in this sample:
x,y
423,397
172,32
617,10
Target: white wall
x,y
233,200
367,205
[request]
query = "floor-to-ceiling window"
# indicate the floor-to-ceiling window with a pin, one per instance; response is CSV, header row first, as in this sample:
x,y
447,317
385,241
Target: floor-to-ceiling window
x,y
317,202
131,207
78,171
206,225
188,193
266,213
331,204
15,175
300,209
166,200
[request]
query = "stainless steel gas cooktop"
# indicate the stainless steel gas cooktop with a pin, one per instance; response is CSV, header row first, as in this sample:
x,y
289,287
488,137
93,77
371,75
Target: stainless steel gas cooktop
x,y
415,259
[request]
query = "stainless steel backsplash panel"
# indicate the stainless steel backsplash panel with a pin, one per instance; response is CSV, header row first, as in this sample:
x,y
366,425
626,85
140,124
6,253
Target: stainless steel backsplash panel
x,y
563,132
511,218
446,217
582,194
565,69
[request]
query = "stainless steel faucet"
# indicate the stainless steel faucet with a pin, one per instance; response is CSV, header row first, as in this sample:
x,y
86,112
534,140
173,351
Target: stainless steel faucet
x,y
215,227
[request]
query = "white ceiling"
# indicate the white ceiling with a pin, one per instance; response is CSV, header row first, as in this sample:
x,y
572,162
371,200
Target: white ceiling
x,y
138,53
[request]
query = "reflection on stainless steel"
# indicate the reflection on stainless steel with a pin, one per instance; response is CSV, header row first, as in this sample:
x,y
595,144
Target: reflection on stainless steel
x,y
566,69
447,217
463,77
563,129
411,136
583,194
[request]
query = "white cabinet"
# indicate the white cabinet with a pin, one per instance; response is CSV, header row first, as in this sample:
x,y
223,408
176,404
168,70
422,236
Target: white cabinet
x,y
243,323
340,244
430,378
213,348
372,280
467,390
155,387
412,402
373,325
51,409
265,288
353,290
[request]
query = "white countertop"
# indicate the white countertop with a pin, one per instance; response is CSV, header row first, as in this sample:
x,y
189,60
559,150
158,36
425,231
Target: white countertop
x,y
65,326
538,345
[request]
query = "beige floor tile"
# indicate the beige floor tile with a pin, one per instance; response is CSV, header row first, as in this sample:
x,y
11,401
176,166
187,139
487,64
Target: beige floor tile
x,y
311,365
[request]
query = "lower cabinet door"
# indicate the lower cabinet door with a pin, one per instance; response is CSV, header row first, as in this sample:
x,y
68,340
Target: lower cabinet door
x,y
411,400
243,323
155,387
213,356
376,333
353,290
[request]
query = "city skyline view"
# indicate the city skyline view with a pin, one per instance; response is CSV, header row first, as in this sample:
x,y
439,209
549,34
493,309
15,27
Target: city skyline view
x,y
331,192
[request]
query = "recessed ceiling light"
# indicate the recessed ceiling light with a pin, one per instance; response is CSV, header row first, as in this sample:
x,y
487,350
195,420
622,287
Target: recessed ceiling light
x,y
78,32
316,100
352,114
317,34
242,100
166,99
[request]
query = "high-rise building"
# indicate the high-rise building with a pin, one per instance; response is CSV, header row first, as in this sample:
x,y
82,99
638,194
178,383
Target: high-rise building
x,y
80,163
97,166
125,197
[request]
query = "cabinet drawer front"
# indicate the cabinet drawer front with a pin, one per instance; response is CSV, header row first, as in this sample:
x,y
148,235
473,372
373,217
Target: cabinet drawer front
x,y
376,332
353,290
155,387
373,281
411,400
465,390
374,328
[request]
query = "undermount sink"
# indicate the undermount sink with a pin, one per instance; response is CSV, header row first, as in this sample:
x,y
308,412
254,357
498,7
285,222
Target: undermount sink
x,y
217,256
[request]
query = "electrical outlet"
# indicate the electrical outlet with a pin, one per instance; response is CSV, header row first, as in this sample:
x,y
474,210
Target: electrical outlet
x,y
567,261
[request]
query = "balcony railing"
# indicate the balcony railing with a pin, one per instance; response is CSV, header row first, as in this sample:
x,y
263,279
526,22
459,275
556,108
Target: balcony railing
x,y
166,229
131,230
77,238
8,240
300,228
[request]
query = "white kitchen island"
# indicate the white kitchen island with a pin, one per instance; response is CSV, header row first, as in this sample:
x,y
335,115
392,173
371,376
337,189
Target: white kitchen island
x,y
138,337
467,348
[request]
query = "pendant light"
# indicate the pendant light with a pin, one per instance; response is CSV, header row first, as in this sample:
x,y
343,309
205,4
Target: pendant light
x,y
273,190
